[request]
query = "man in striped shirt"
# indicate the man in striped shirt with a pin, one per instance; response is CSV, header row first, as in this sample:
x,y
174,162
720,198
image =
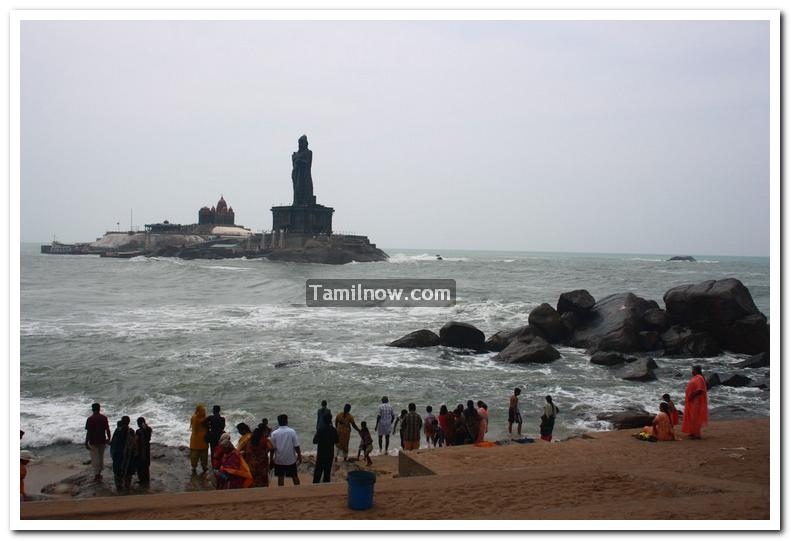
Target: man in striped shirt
x,y
410,428
384,421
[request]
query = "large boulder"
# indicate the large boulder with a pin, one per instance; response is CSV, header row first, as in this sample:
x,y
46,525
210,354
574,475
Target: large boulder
x,y
461,335
611,358
749,334
650,340
759,360
500,340
418,339
655,319
627,419
570,322
578,302
614,324
639,370
680,341
524,351
735,380
712,380
547,320
716,306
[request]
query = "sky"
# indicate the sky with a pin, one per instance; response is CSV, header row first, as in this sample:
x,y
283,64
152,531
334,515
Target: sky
x,y
575,136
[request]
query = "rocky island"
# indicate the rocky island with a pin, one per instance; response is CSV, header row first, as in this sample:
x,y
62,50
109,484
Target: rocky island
x,y
301,232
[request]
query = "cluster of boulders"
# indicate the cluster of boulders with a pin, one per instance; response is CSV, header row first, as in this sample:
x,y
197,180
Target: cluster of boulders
x,y
698,320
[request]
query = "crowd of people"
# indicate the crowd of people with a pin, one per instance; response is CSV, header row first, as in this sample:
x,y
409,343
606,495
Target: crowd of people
x,y
262,450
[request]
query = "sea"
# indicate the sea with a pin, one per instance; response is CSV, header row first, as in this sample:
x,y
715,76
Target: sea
x,y
153,337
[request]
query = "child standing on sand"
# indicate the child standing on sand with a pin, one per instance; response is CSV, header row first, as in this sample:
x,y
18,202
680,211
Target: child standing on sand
x,y
366,443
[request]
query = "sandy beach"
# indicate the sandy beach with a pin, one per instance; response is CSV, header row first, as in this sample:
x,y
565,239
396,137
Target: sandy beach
x,y
602,475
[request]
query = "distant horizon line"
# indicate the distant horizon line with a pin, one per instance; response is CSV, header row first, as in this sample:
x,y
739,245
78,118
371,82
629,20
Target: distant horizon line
x,y
565,252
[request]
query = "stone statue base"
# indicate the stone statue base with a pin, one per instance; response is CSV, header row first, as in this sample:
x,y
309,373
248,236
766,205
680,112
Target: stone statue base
x,y
307,220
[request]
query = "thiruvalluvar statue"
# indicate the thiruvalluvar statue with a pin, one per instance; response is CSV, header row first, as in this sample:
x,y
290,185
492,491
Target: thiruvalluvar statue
x,y
301,161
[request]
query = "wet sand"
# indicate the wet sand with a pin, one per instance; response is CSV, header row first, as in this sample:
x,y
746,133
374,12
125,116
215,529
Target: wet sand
x,y
607,475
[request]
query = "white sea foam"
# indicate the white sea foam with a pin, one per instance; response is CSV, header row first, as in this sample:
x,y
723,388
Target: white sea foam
x,y
404,258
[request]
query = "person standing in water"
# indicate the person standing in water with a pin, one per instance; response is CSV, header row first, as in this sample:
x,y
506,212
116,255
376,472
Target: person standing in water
x,y
384,421
513,412
548,419
323,410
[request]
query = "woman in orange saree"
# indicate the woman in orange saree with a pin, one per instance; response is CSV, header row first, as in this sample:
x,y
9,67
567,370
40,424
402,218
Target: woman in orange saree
x,y
662,427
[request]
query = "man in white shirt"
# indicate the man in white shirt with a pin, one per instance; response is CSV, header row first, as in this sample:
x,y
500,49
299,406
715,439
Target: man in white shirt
x,y
286,454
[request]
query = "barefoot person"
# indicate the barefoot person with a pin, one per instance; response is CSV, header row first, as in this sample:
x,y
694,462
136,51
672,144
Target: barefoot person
x,y
483,411
548,419
344,422
513,412
97,436
286,454
325,439
696,406
122,451
199,443
366,443
215,426
384,422
428,426
257,457
143,451
410,428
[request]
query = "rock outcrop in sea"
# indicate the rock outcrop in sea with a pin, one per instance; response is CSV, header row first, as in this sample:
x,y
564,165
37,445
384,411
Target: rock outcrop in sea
x,y
698,320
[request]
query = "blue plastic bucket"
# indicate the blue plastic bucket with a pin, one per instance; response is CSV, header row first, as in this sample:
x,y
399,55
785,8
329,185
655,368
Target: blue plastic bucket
x,y
361,489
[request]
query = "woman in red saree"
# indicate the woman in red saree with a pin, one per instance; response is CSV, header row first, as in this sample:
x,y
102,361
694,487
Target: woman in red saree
x,y
256,454
696,406
234,471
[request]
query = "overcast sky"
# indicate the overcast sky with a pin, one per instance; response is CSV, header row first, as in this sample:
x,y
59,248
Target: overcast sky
x,y
639,137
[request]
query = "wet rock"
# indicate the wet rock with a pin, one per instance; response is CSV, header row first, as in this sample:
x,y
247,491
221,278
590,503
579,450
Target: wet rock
x,y
547,320
627,419
649,340
570,321
735,380
748,335
417,339
762,383
578,302
461,335
715,306
712,380
524,351
611,358
285,364
614,324
681,341
500,340
655,319
682,258
756,361
639,370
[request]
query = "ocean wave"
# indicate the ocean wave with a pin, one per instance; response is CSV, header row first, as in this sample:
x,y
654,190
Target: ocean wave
x,y
404,258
